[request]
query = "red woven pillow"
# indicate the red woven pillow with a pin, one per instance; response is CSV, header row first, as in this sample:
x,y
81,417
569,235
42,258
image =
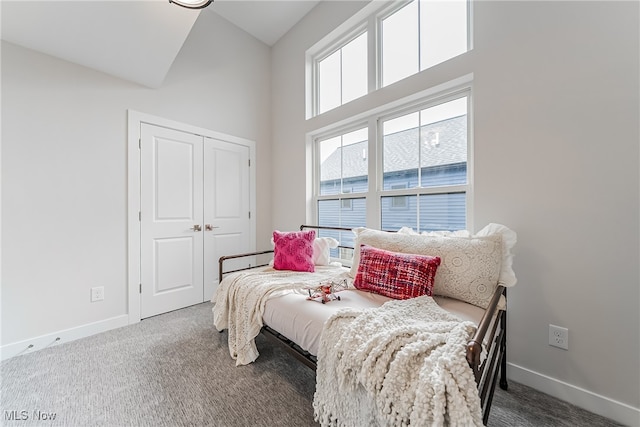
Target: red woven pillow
x,y
395,275
294,250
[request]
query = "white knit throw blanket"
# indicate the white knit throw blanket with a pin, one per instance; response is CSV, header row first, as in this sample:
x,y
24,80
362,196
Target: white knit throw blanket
x,y
401,364
241,297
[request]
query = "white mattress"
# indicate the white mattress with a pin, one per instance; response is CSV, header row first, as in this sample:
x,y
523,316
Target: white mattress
x,y
301,320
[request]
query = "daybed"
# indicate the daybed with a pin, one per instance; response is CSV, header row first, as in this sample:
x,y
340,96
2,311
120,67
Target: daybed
x,y
417,331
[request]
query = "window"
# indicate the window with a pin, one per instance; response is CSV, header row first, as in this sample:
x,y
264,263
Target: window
x,y
343,179
421,154
342,75
404,38
426,149
421,34
343,163
405,161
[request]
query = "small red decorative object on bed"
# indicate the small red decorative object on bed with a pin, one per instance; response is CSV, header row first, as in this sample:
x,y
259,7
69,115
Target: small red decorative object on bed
x,y
395,275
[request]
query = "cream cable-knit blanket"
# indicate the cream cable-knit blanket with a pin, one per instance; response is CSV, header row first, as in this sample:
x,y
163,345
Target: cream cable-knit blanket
x,y
241,297
401,364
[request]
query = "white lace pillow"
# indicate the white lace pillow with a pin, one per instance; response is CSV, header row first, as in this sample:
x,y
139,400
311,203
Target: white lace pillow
x,y
322,250
470,268
443,233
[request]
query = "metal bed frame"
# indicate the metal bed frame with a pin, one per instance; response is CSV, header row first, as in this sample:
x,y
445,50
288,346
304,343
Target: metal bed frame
x,y
485,371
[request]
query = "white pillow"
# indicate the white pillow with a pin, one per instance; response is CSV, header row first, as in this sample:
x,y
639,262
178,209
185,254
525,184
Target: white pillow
x,y
471,266
322,249
443,233
509,239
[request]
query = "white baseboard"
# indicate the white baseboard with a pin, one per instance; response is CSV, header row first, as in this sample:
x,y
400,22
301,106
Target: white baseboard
x,y
601,405
38,343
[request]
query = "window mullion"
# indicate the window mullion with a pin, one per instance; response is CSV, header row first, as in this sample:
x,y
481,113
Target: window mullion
x,y
419,37
373,54
341,166
419,149
341,80
374,219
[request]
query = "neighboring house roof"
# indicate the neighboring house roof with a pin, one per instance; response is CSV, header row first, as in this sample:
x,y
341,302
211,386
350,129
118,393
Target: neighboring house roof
x,y
442,142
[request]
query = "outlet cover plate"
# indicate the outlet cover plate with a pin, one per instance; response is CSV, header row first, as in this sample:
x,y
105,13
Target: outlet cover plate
x,y
559,337
97,293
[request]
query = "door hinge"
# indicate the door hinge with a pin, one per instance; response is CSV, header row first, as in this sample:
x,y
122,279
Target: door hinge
x,y
139,143
249,214
249,162
139,216
140,287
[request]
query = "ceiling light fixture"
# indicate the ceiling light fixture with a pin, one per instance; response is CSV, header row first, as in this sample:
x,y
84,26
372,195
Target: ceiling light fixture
x,y
192,4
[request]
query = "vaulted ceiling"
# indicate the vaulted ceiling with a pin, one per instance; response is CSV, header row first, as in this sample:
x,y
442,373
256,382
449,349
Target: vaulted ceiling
x,y
266,20
136,40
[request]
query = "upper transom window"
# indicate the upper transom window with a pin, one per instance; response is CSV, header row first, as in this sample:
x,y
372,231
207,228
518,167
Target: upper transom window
x,y
342,75
421,34
393,41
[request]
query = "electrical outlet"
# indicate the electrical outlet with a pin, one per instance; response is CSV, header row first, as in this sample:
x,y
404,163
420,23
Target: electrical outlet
x,y
97,293
559,337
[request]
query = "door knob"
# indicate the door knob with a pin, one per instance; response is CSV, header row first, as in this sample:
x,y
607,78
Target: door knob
x,y
209,227
196,228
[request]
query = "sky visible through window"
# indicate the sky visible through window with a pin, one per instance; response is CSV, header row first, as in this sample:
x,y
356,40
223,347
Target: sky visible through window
x,y
420,35
343,74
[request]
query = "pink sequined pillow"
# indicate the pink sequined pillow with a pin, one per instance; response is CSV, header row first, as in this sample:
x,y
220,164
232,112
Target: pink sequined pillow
x,y
395,275
294,250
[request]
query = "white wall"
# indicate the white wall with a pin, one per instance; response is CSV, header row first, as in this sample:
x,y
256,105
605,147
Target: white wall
x,y
64,167
556,158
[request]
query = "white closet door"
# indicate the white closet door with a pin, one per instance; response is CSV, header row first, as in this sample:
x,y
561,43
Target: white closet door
x,y
172,228
226,207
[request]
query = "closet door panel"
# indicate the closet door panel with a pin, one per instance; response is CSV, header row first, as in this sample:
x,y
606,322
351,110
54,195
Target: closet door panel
x,y
226,206
171,200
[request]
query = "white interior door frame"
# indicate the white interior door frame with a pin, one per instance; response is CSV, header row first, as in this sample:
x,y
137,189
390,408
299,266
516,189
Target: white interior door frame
x,y
134,121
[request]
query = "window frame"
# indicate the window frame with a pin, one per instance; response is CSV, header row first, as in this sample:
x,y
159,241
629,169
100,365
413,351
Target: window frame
x,y
374,119
327,51
368,19
391,8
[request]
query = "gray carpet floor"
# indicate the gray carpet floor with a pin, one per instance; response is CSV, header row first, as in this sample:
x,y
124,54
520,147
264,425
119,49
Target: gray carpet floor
x,y
175,370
